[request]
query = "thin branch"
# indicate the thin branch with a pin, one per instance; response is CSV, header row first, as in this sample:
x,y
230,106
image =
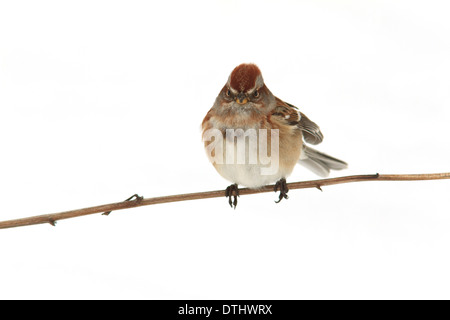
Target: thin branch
x,y
139,201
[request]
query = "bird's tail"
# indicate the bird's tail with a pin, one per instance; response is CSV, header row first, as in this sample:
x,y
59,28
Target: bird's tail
x,y
320,163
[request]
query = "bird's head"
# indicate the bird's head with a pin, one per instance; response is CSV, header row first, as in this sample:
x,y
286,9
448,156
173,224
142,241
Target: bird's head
x,y
245,92
245,85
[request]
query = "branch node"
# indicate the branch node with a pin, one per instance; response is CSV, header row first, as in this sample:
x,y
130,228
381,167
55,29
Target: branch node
x,y
52,222
138,199
318,187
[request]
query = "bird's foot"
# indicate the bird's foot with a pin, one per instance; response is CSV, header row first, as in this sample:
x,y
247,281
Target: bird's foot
x,y
232,191
282,186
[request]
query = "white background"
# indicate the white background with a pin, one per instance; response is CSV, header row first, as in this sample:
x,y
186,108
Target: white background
x,y
103,99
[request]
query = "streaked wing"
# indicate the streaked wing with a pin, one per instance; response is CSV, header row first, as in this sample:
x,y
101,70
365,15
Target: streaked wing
x,y
287,113
311,131
291,114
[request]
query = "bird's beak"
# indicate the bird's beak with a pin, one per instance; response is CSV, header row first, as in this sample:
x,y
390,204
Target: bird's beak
x,y
241,98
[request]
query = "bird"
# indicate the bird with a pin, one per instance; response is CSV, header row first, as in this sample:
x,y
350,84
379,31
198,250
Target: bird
x,y
246,110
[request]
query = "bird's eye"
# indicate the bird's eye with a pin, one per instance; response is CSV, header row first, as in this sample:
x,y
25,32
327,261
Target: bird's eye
x,y
228,93
256,94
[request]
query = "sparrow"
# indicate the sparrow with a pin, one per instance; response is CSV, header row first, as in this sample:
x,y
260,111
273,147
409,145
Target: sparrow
x,y
245,108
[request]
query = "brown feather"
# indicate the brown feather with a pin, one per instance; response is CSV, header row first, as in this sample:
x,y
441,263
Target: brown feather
x,y
243,77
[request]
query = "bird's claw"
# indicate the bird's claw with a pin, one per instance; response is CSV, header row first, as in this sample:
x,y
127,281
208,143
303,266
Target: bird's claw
x,y
232,191
282,186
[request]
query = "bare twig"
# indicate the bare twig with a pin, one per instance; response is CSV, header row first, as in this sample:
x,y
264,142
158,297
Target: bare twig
x,y
139,201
